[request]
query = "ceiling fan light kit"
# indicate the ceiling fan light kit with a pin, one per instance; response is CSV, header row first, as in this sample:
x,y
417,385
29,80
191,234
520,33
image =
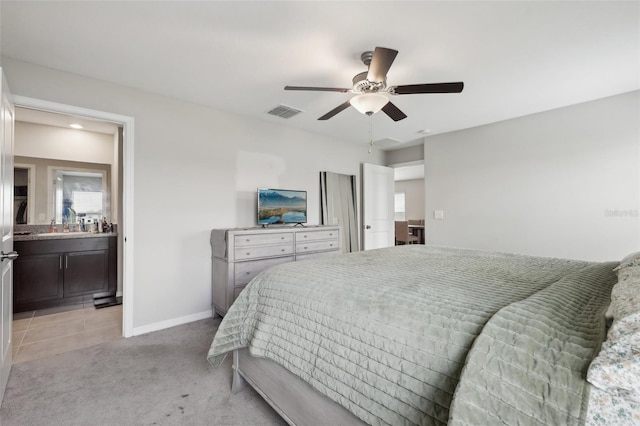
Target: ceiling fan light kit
x,y
370,85
369,103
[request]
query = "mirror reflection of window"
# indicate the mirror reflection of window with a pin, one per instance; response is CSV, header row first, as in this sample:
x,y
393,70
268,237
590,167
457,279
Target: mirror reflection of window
x,y
79,195
399,206
88,204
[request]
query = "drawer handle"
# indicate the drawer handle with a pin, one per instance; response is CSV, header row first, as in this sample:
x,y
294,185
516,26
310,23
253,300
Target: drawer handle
x,y
330,245
282,238
305,247
247,240
282,250
248,253
248,272
306,236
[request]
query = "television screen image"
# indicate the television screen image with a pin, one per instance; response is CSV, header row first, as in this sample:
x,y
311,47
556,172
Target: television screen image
x,y
279,206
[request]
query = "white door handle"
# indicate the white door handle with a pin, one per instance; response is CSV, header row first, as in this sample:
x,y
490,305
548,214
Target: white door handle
x,y
12,255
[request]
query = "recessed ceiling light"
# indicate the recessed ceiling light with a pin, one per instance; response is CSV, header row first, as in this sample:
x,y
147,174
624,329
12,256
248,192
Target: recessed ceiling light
x,y
424,131
75,126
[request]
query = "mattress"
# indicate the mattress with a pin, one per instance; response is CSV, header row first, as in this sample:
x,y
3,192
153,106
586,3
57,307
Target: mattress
x,y
425,335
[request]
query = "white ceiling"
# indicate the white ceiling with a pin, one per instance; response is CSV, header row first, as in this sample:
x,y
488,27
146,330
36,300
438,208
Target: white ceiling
x,y
61,120
515,58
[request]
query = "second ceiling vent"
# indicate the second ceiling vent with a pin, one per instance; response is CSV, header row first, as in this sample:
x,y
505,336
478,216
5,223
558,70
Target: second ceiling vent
x,y
284,111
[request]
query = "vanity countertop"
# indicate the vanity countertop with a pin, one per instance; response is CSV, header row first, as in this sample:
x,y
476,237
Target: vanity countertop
x,y
60,236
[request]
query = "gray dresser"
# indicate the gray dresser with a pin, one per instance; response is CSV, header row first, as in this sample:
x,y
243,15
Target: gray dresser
x,y
240,254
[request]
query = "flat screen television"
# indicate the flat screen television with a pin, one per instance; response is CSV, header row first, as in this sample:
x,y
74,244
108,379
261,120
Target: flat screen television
x,y
280,206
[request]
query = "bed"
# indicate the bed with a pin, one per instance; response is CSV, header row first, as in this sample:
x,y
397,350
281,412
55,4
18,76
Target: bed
x,y
421,335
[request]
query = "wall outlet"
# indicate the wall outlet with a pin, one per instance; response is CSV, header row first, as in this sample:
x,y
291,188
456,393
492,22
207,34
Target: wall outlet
x,y
438,214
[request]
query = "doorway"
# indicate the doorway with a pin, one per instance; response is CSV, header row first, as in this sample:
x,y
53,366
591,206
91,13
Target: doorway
x,y
23,182
125,199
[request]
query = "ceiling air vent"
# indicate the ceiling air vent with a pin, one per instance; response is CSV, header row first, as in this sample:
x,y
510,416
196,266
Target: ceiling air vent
x,y
284,111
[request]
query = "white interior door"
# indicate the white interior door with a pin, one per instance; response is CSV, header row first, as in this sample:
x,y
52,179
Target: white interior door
x,y
6,227
378,218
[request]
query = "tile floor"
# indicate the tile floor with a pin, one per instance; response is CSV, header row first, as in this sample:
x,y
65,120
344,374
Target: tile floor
x,y
48,332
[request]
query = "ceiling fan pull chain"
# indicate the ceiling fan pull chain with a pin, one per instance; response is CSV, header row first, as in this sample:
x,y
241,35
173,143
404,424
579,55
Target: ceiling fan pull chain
x,y
370,132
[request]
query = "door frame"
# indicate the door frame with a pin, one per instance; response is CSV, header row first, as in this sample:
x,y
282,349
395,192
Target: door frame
x,y
126,228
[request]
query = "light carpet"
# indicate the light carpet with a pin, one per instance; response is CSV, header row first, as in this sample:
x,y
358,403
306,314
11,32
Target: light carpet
x,y
160,378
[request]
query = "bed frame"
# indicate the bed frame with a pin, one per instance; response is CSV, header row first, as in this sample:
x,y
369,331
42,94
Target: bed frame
x,y
292,398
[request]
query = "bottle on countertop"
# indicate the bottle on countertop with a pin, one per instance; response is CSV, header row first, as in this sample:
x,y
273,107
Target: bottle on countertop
x,y
95,226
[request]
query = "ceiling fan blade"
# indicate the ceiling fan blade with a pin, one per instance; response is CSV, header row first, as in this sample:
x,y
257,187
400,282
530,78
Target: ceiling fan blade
x,y
427,88
336,110
380,64
317,89
392,111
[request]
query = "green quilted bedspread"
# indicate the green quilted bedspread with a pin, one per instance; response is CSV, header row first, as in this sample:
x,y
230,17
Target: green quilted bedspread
x,y
387,333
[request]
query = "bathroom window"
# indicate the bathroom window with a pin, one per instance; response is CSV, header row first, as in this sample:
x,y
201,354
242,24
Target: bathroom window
x,y
79,195
399,206
88,203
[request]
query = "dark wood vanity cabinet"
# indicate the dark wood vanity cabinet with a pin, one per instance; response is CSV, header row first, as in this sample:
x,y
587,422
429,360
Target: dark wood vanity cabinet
x,y
63,271
37,278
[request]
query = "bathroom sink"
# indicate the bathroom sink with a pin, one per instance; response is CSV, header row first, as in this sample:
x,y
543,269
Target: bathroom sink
x,y
53,234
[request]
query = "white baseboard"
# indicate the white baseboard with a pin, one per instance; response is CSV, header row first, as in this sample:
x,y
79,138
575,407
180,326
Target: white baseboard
x,y
137,331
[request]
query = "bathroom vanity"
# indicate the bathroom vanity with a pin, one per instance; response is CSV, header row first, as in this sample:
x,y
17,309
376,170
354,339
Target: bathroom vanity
x,y
63,269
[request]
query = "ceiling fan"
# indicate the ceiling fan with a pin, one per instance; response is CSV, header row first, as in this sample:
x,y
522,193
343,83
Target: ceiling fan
x,y
371,87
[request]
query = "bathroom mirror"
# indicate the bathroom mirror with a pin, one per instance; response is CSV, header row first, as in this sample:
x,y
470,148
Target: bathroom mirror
x,y
41,186
78,195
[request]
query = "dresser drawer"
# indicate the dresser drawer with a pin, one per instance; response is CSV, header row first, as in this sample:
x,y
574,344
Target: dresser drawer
x,y
257,252
316,235
305,247
315,255
262,239
240,254
245,271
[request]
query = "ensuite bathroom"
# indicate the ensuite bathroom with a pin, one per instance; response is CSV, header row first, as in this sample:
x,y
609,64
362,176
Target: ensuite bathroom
x,y
67,279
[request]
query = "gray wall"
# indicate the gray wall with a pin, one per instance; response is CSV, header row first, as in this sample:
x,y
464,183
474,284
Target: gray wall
x,y
562,183
404,155
414,197
195,169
